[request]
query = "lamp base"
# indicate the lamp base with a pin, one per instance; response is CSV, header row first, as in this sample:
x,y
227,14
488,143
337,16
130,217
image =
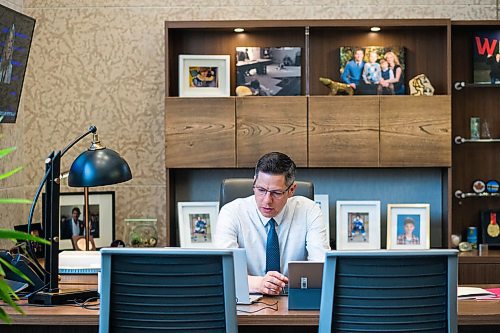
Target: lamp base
x,y
61,297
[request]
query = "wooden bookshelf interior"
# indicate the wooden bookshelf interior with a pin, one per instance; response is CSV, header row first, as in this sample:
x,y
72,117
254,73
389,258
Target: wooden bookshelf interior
x,y
473,161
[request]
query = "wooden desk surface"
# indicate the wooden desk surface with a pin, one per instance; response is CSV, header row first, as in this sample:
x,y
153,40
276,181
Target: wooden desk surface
x,y
470,312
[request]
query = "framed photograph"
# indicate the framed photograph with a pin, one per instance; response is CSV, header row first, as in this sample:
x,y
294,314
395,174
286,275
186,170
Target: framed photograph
x,y
358,225
204,75
197,223
71,217
375,70
268,71
408,226
486,56
322,201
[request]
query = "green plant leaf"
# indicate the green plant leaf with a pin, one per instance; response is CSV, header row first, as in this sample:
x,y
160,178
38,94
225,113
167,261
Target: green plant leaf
x,y
10,173
15,270
14,201
4,317
6,151
12,234
6,294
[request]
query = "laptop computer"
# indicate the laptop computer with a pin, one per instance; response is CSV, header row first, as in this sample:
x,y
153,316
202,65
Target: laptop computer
x,y
241,278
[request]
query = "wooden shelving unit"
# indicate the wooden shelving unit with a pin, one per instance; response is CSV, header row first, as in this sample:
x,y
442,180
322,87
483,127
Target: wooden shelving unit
x,y
316,130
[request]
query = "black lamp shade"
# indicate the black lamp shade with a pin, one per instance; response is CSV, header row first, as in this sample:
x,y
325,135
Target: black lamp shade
x,y
98,168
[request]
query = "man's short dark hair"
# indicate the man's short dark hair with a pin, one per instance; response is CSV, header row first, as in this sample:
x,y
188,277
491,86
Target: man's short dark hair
x,y
77,210
277,163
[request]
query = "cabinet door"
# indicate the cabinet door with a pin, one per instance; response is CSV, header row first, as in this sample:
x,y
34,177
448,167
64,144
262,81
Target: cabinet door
x,y
273,123
199,132
343,131
415,131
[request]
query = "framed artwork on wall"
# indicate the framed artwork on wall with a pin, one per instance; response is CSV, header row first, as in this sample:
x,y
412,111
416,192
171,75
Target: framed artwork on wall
x,y
197,222
358,225
204,75
101,219
408,226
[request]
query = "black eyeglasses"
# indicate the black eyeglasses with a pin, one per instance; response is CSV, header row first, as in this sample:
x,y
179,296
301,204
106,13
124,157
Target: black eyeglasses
x,y
261,192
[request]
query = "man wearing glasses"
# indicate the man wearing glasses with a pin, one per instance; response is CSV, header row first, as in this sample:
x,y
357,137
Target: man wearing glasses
x,y
273,226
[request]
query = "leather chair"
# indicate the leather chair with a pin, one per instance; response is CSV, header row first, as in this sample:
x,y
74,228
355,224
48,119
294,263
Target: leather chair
x,y
233,188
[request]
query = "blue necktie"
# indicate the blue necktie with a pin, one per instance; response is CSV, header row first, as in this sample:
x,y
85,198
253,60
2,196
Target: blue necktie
x,y
272,248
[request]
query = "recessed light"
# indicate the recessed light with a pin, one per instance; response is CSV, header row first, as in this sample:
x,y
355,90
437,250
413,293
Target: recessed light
x,y
239,29
375,29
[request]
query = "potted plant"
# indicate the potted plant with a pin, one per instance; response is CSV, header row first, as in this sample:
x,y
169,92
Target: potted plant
x,y
6,292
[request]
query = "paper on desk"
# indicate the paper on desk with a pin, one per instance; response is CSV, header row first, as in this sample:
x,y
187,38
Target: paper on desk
x,y
474,293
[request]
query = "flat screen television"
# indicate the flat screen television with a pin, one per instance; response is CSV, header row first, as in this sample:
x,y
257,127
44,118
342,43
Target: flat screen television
x,y
16,32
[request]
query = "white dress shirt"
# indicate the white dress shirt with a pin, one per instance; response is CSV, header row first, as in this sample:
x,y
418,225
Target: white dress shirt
x,y
300,227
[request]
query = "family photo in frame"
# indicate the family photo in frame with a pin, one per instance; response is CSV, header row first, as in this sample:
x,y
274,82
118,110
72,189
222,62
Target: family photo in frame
x,y
408,226
358,225
373,70
197,221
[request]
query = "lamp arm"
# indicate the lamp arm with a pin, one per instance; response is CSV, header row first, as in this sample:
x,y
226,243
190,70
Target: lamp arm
x,y
35,199
92,129
30,219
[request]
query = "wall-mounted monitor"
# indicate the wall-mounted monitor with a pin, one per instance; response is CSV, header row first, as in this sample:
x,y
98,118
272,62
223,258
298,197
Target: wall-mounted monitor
x,y
16,32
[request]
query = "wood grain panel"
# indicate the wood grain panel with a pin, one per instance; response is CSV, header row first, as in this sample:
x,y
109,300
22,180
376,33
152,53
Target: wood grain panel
x,y
344,131
265,124
415,131
199,133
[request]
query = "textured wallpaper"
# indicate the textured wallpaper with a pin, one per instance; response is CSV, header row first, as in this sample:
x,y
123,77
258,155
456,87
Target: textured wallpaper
x,y
101,62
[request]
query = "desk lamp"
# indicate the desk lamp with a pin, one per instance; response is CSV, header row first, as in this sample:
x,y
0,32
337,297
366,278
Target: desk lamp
x,y
98,166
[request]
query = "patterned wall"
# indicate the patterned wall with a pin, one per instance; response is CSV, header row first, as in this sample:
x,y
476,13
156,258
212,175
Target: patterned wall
x,y
102,62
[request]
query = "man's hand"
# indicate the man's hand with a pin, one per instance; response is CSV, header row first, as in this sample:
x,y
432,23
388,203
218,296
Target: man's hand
x,y
353,85
270,284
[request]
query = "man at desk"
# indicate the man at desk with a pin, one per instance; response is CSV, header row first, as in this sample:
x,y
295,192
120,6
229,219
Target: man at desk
x,y
273,225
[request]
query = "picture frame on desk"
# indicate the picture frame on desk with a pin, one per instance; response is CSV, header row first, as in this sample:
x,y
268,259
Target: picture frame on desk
x,y
204,75
358,225
323,203
197,222
408,226
102,217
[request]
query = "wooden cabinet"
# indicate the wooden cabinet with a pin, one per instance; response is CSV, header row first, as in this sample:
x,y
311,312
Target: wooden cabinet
x,y
200,134
385,131
265,124
343,131
415,131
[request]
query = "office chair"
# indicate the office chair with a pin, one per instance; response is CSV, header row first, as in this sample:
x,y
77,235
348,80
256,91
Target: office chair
x,y
389,291
233,188
167,289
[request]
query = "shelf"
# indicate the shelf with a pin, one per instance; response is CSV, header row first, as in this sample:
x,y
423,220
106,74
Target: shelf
x,y
462,195
459,140
459,85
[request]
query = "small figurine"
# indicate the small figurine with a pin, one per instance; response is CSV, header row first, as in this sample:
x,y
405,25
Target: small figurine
x,y
420,86
336,87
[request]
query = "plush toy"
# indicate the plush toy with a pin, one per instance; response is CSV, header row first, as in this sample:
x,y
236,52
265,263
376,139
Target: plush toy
x,y
336,87
420,86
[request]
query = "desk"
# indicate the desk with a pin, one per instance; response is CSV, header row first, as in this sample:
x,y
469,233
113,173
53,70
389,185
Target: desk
x,y
58,319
